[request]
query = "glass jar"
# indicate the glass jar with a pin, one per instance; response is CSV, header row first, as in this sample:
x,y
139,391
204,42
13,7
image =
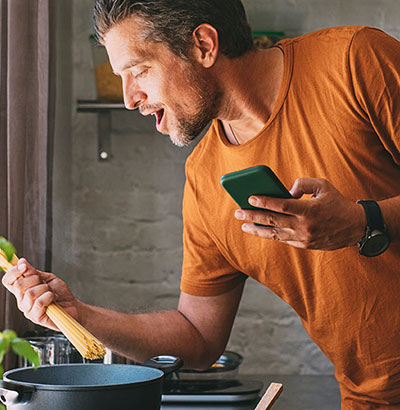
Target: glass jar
x,y
52,350
58,349
108,85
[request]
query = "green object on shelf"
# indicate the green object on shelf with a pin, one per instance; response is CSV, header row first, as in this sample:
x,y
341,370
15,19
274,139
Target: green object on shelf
x,y
269,33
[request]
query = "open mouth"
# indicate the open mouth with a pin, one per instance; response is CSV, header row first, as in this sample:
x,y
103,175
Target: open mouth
x,y
159,115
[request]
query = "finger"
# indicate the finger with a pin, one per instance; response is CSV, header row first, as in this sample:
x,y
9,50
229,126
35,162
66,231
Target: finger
x,y
278,220
276,234
20,286
22,269
38,312
282,235
280,205
13,274
31,295
26,268
47,277
314,186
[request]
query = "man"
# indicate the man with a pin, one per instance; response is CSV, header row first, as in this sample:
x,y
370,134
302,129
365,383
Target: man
x,y
324,107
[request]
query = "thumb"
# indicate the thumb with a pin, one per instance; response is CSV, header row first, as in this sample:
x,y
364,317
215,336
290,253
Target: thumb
x,y
314,186
23,261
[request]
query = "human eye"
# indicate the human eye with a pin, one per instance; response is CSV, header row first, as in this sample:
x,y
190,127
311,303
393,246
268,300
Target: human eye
x,y
142,73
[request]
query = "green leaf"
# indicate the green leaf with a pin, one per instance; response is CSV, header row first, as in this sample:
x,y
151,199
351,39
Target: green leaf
x,y
2,407
9,334
7,247
4,345
1,371
23,348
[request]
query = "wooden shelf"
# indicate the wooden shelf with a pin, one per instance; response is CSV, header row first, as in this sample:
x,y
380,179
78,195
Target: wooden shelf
x,y
96,106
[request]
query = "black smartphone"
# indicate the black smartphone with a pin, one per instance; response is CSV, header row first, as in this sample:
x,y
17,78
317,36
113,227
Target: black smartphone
x,y
257,180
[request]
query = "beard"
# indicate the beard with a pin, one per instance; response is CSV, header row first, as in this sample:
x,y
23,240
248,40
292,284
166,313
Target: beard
x,y
206,101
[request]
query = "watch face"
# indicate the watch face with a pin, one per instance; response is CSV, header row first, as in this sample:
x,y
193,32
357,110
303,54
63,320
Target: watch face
x,y
375,244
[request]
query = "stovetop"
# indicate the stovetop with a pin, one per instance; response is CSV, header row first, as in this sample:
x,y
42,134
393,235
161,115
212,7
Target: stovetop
x,y
299,392
208,406
216,391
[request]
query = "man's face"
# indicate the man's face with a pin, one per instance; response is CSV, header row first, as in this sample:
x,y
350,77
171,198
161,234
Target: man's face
x,y
181,94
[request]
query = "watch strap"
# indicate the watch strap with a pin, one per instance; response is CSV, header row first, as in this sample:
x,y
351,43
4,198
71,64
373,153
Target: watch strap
x,y
373,214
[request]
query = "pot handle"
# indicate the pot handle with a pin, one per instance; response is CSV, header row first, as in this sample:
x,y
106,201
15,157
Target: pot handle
x,y
168,364
14,394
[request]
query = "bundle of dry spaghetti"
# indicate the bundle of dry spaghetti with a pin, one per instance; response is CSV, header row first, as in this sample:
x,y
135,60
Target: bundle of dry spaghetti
x,y
87,345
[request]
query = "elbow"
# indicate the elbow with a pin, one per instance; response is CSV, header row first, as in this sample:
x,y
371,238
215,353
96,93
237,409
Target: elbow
x,y
204,360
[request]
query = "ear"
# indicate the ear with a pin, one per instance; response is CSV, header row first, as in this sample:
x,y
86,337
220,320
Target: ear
x,y
206,45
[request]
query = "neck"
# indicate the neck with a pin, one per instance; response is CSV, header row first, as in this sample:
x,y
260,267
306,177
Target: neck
x,y
251,86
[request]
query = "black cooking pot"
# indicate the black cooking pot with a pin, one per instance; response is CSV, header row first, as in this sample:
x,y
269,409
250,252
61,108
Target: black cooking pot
x,y
87,386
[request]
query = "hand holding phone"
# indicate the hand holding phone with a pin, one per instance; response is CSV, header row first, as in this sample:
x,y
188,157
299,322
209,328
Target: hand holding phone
x,y
295,222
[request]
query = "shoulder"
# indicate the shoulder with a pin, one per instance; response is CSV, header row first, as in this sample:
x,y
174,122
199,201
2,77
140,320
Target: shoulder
x,y
330,33
369,39
371,34
341,36
338,48
374,53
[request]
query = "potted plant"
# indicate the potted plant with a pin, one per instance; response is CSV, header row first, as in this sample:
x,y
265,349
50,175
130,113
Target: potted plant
x,y
21,347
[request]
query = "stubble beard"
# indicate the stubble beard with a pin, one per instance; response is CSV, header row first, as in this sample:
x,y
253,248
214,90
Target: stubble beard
x,y
207,100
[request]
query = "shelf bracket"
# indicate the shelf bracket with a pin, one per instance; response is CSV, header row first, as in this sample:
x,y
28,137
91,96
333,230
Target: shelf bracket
x,y
104,135
103,111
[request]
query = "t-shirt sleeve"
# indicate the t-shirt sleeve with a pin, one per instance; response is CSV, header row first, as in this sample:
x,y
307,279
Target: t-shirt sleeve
x,y
374,60
205,271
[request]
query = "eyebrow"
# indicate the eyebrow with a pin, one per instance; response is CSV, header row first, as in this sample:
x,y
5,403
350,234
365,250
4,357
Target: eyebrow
x,y
130,64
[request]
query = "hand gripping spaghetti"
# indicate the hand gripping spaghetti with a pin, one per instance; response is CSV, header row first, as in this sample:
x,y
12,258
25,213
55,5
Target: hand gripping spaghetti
x,y
87,345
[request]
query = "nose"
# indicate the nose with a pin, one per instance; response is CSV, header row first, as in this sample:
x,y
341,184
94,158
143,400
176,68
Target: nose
x,y
133,96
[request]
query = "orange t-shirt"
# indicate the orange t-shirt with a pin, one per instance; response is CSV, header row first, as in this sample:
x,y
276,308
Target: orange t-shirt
x,y
337,117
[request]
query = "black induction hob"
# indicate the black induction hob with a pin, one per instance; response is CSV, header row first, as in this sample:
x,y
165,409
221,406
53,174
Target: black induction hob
x,y
210,391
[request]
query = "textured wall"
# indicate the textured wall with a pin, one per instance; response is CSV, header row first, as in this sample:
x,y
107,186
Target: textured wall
x,y
126,228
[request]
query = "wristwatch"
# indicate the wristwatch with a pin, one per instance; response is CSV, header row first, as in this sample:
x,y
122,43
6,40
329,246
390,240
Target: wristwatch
x,y
376,239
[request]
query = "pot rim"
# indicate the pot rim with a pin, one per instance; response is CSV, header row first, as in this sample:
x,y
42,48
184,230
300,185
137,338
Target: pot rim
x,y
48,339
10,383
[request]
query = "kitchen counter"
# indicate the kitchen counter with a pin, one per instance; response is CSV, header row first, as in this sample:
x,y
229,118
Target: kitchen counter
x,y
299,393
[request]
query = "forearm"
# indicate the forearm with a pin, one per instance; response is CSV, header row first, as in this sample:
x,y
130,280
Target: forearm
x,y
142,336
197,331
391,215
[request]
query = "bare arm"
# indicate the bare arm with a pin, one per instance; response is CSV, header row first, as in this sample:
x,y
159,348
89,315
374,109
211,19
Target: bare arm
x,y
197,331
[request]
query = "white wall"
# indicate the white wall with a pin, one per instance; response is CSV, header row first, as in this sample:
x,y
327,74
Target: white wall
x,y
126,224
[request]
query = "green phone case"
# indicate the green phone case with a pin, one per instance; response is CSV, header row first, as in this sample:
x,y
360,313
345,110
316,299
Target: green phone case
x,y
257,180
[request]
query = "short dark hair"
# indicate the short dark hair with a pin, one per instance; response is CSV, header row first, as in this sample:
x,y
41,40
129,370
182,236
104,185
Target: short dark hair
x,y
173,21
